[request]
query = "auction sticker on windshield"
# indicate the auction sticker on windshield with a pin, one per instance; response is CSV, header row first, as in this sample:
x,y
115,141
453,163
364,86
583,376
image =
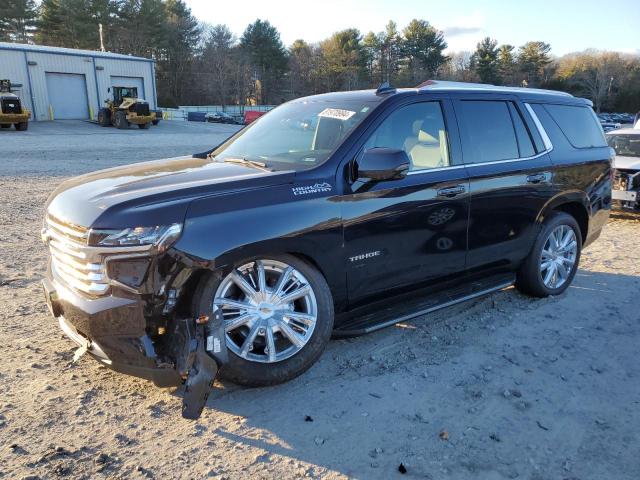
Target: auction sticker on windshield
x,y
337,113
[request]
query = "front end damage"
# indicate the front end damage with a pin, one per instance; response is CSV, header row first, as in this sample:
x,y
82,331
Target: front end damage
x,y
626,189
131,309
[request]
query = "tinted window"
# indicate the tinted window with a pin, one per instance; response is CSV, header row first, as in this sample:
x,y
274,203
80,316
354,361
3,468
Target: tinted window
x,y
488,130
578,124
419,130
524,139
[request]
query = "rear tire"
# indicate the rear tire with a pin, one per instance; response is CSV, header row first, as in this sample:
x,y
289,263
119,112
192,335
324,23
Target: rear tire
x,y
121,121
255,372
155,122
551,265
22,126
5,125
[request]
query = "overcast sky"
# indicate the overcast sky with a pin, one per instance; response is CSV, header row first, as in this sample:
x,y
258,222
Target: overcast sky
x,y
568,25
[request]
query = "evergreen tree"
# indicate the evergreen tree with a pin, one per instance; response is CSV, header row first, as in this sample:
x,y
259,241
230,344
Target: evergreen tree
x,y
534,58
344,62
423,47
18,20
506,64
391,52
485,60
262,45
371,53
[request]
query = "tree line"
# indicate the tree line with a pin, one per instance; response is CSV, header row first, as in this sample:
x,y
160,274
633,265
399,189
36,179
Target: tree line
x,y
207,64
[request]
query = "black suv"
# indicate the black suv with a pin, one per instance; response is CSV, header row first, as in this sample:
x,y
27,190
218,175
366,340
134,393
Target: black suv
x,y
336,214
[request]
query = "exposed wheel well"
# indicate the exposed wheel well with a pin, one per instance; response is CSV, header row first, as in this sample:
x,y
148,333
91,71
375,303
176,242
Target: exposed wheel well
x,y
577,211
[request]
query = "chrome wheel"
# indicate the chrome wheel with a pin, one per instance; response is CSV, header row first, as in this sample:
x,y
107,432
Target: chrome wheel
x,y
269,310
558,257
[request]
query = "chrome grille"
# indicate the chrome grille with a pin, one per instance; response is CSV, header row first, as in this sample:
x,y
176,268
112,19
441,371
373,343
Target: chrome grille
x,y
72,260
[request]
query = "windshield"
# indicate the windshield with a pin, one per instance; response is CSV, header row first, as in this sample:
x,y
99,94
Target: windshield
x,y
297,135
625,145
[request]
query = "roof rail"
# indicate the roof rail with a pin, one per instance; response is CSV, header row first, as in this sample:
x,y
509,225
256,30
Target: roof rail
x,y
446,85
385,88
450,84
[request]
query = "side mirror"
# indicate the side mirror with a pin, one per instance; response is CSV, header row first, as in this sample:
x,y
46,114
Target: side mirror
x,y
383,164
109,90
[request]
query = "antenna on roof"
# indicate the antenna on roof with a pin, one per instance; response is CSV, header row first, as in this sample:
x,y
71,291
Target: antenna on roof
x,y
385,88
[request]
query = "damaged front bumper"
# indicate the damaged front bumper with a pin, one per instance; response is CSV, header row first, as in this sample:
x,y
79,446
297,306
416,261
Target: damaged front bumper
x,y
112,330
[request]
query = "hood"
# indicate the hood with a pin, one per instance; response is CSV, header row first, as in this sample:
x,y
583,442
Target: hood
x,y
151,193
626,163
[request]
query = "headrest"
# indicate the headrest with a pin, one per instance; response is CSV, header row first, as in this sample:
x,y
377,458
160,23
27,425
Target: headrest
x,y
424,137
415,127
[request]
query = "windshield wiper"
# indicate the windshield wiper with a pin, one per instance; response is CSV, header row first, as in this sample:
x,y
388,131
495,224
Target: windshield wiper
x,y
251,163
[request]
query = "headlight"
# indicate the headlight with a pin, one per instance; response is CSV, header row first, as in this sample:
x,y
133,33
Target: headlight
x,y
159,235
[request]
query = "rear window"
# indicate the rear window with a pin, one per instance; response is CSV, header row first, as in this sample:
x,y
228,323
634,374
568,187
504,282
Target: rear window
x,y
578,124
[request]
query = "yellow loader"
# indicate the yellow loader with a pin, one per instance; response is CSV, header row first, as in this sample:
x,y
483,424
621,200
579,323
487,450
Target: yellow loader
x,y
126,108
11,110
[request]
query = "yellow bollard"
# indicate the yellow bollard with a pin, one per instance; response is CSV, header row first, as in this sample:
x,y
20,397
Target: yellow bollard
x,y
50,112
90,112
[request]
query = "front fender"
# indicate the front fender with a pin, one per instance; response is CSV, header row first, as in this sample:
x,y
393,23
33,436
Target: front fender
x,y
225,230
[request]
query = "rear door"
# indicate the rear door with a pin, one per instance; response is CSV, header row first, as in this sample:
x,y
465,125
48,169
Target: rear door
x,y
403,233
510,179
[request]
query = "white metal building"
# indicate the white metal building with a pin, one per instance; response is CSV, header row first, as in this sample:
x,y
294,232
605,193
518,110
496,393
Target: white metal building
x,y
63,83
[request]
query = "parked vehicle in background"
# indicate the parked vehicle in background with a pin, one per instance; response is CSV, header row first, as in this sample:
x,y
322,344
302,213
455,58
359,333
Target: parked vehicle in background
x,y
608,126
336,214
626,184
251,116
12,112
219,117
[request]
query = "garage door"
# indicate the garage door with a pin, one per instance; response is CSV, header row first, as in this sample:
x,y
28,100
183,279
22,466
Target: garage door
x,y
67,96
137,82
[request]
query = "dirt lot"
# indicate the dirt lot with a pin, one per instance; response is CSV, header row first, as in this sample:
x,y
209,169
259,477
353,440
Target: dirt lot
x,y
502,387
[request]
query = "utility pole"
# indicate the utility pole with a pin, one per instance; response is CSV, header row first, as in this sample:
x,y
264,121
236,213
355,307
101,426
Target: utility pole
x,y
101,40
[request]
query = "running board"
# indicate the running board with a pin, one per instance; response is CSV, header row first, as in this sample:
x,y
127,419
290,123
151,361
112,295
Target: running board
x,y
376,321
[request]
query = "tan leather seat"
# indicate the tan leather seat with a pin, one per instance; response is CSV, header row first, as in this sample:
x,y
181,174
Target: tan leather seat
x,y
426,152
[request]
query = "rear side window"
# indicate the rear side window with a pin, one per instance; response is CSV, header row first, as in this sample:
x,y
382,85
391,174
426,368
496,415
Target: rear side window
x,y
488,130
578,124
522,133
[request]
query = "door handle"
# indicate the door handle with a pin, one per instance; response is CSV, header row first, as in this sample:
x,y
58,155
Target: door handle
x,y
451,192
536,178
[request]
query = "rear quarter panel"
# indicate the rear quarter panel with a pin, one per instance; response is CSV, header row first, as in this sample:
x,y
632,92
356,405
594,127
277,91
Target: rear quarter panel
x,y
582,175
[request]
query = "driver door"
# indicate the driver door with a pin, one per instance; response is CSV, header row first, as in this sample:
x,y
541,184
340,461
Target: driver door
x,y
411,231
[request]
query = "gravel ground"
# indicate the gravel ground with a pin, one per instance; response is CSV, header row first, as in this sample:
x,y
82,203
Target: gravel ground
x,y
501,387
72,147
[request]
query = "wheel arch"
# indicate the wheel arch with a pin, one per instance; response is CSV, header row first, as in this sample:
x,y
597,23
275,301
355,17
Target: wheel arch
x,y
574,203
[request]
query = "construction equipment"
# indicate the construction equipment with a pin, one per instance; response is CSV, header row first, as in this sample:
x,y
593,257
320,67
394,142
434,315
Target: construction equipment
x,y
126,108
11,110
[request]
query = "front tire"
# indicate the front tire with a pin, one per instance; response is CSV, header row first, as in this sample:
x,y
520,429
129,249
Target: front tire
x,y
278,314
144,126
22,126
552,264
121,121
5,125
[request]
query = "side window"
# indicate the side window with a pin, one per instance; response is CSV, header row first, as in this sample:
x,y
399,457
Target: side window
x,y
488,131
419,130
525,144
578,124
